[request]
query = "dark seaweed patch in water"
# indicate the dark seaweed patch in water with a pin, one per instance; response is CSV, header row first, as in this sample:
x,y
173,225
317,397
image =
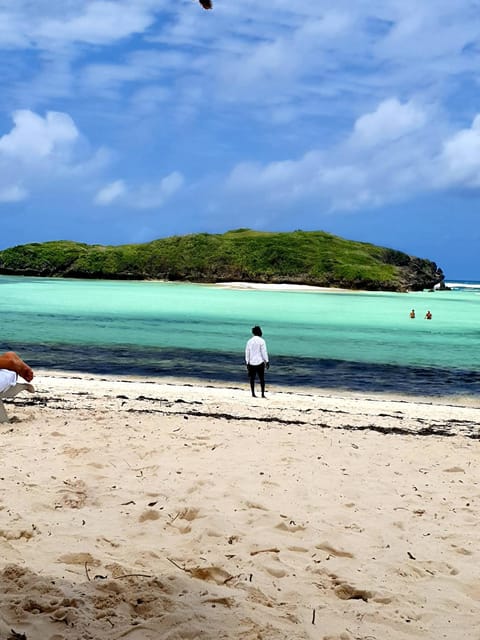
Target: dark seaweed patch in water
x,y
125,360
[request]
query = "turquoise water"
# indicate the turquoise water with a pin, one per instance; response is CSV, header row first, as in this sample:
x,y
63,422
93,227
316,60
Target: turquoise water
x,y
169,328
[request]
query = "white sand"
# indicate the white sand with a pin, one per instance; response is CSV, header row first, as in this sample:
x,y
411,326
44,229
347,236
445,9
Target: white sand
x,y
288,518
262,286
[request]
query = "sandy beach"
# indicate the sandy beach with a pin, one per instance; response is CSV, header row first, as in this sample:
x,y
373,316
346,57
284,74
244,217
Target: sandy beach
x,y
264,286
145,509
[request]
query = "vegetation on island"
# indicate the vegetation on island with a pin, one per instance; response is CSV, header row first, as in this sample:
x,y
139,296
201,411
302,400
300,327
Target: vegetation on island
x,y
298,257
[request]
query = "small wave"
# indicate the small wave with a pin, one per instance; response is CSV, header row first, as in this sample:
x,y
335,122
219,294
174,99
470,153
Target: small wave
x,y
463,285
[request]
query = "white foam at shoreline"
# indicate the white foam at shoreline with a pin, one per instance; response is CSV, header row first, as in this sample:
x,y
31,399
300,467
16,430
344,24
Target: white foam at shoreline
x,y
462,285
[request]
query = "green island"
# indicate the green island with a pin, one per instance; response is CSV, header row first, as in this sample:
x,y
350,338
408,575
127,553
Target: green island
x,y
298,257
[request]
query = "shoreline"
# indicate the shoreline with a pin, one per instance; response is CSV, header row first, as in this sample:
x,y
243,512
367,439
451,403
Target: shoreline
x,y
261,286
242,387
279,389
139,509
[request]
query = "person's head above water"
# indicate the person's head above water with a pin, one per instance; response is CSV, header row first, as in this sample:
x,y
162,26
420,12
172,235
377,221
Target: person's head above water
x,y
257,331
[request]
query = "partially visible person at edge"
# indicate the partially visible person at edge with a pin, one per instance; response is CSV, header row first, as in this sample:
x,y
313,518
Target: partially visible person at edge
x,y
412,313
11,366
256,358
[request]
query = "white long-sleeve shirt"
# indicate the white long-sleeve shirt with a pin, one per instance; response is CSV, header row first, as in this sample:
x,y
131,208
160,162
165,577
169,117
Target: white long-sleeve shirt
x,y
256,351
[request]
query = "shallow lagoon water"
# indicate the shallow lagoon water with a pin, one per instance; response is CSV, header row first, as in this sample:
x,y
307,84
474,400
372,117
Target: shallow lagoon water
x,y
355,340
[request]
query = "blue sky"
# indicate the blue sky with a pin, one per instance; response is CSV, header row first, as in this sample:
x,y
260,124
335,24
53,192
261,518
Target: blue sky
x,y
128,121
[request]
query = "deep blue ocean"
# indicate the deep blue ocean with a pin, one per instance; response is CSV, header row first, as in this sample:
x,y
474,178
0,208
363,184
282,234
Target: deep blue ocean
x,y
349,340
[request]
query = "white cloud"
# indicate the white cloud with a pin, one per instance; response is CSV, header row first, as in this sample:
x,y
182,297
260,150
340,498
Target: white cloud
x,y
111,192
280,179
340,184
149,195
347,105
391,154
427,33
289,60
153,195
171,183
45,153
97,22
11,31
460,158
139,67
34,137
150,99
13,193
391,120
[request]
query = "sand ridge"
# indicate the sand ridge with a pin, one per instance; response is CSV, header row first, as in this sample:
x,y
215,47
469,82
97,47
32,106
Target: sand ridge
x,y
150,509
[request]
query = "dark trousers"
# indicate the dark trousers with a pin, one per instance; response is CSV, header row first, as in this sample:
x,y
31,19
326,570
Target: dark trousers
x,y
253,371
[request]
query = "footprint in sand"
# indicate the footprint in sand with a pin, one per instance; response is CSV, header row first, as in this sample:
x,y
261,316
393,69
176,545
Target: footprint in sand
x,y
183,519
461,550
443,568
276,572
345,591
189,514
149,514
79,558
291,526
37,595
72,452
419,569
73,495
210,574
26,534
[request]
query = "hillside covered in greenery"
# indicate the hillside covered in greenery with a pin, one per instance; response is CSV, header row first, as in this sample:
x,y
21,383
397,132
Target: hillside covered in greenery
x,y
299,257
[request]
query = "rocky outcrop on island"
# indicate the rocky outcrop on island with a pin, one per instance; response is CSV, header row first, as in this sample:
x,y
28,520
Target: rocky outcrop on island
x,y
299,257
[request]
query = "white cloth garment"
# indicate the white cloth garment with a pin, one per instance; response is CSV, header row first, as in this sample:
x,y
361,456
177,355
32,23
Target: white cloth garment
x,y
7,379
256,351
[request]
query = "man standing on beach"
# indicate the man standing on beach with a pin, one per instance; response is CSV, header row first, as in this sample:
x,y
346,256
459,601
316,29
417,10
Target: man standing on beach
x,y
256,358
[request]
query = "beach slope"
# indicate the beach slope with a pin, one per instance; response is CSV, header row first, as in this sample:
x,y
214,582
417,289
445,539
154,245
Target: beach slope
x,y
160,509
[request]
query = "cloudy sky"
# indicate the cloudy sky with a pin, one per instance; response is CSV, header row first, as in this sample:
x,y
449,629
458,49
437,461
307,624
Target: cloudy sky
x,y
128,121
